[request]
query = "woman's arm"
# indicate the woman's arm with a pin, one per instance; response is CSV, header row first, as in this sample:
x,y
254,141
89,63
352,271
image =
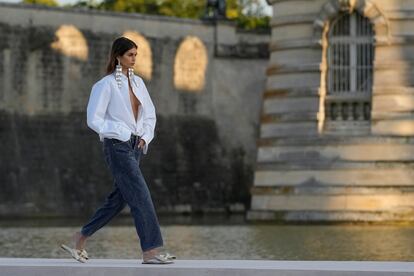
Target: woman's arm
x,y
149,119
97,105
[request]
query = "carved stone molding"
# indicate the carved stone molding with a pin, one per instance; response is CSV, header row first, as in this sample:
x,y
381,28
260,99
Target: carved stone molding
x,y
365,7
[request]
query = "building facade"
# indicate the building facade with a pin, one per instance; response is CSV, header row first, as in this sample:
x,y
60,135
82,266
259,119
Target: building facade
x,y
205,79
336,139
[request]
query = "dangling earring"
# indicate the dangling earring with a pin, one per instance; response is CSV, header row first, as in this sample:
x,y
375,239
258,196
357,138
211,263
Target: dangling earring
x,y
130,73
118,73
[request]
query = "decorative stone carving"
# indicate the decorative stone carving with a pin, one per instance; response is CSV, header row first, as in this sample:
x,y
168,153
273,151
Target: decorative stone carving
x,y
365,7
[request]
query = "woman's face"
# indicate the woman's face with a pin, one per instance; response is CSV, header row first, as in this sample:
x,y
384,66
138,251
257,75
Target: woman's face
x,y
128,58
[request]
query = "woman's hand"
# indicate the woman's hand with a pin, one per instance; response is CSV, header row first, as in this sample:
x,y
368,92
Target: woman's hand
x,y
141,143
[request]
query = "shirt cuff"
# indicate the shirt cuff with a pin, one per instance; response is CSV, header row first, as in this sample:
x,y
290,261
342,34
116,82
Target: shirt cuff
x,y
145,138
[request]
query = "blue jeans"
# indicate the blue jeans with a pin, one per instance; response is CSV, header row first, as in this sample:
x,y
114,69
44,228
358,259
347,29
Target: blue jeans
x,y
129,188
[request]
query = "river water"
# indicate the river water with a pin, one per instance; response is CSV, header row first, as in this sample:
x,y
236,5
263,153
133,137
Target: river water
x,y
218,241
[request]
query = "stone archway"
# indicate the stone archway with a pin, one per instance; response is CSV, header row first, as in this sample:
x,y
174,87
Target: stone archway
x,y
71,42
190,65
365,7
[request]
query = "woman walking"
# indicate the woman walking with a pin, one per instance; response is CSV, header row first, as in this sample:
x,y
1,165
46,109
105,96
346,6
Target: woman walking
x,y
120,110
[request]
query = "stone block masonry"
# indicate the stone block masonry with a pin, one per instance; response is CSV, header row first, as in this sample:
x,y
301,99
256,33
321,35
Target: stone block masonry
x,y
321,158
51,164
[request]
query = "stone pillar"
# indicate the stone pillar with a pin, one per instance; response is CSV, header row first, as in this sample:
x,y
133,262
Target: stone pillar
x,y
306,174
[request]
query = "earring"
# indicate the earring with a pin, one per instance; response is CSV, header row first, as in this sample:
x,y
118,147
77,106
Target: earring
x,y
130,73
118,73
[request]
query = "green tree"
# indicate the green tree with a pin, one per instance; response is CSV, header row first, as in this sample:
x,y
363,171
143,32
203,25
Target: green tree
x,y
232,9
248,14
139,6
182,8
252,15
51,3
91,4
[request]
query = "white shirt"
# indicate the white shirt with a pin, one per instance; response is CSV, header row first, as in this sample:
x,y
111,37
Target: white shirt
x,y
109,111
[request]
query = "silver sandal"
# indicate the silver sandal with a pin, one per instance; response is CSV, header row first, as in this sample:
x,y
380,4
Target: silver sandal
x,y
76,254
159,259
84,254
168,256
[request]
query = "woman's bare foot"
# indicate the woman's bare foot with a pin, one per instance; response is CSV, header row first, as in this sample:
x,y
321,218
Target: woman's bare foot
x,y
79,240
147,255
154,256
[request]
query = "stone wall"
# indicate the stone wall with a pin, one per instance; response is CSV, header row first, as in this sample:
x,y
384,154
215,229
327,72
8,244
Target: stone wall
x,y
204,151
307,173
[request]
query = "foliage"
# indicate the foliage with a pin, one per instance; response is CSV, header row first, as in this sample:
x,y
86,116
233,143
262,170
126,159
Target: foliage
x,y
139,6
248,14
251,15
253,23
51,3
182,8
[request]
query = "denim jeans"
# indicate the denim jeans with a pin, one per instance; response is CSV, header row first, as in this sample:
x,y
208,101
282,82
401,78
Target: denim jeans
x,y
129,188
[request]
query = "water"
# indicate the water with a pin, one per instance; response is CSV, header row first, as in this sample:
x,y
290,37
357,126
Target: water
x,y
220,241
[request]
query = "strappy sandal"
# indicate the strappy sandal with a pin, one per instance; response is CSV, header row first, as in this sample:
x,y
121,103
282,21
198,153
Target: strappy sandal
x,y
84,254
158,259
76,254
168,256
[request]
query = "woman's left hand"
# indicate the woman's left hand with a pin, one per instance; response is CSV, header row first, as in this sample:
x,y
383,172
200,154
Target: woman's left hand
x,y
141,144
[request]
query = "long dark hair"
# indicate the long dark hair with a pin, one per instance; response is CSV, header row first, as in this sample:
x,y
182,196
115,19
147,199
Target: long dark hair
x,y
119,47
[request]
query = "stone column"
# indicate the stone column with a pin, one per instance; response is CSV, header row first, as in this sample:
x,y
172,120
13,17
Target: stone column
x,y
306,174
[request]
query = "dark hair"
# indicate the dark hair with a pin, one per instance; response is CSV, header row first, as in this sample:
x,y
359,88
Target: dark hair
x,y
119,47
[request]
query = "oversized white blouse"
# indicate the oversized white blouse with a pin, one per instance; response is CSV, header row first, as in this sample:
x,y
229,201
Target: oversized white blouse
x,y
109,111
